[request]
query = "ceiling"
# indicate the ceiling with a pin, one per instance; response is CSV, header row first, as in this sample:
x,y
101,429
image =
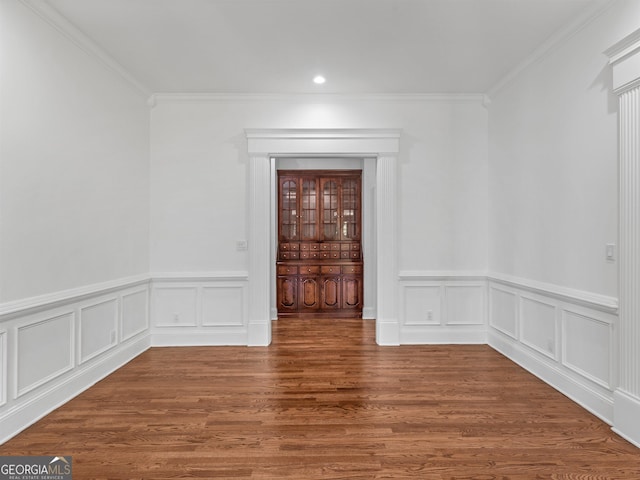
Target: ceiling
x,y
361,46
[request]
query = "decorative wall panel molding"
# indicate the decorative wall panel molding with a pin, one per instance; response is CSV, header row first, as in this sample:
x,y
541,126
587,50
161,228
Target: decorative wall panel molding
x,y
56,346
98,328
44,351
563,342
439,308
204,309
3,368
135,313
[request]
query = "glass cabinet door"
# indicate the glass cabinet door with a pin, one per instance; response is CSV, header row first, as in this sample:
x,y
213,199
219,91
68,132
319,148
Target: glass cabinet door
x,y
330,218
289,210
349,210
308,206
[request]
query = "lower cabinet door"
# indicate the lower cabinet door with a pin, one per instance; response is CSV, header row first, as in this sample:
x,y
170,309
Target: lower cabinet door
x,y
287,294
330,293
309,294
351,292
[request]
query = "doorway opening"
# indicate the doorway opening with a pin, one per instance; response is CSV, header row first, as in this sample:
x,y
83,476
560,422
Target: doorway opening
x,y
319,265
378,149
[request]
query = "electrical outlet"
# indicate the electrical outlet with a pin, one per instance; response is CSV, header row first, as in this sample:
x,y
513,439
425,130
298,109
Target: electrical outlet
x,y
430,316
176,318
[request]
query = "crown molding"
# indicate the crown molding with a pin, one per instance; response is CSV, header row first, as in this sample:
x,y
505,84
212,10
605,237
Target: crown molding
x,y
50,15
625,47
314,97
553,42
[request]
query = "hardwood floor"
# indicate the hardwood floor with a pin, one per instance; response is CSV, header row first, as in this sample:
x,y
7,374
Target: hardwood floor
x,y
325,402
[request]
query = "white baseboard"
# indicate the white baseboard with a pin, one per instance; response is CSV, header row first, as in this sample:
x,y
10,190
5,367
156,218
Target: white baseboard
x,y
46,400
596,400
200,339
443,335
626,419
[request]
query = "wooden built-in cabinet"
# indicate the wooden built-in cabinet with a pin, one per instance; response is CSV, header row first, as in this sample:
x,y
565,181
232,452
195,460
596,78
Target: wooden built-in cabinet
x,y
319,270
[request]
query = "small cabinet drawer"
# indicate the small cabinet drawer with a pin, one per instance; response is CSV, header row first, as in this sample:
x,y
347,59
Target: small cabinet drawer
x,y
325,246
310,247
325,255
289,255
355,255
352,269
335,246
294,247
331,270
309,269
355,246
285,247
307,255
287,270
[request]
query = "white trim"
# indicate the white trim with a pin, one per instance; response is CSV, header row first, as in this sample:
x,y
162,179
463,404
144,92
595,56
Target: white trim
x,y
4,367
557,39
160,97
625,47
441,275
84,43
199,276
627,416
24,414
591,300
379,145
70,317
51,300
596,400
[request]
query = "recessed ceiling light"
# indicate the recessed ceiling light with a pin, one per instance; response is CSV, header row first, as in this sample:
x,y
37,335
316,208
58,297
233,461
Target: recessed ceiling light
x,y
319,80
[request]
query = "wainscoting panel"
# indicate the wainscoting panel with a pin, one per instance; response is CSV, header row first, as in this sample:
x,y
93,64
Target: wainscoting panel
x,y
503,310
98,328
422,304
174,306
45,350
223,306
564,337
135,313
538,325
465,303
442,308
56,346
587,345
199,309
3,368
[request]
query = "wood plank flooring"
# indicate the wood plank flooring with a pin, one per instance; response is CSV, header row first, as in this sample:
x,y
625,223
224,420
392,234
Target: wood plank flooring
x,y
325,402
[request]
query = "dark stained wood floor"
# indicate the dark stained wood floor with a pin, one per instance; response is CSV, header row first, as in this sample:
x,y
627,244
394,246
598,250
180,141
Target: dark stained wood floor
x,y
325,402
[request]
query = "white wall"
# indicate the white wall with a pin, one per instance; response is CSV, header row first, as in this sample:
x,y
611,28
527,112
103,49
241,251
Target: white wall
x,y
553,206
74,215
199,176
74,161
553,163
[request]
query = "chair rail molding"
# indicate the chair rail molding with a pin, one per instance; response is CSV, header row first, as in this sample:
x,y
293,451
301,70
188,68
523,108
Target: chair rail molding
x,y
625,61
379,145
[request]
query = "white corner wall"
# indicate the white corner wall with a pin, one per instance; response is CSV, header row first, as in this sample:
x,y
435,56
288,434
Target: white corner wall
x,y
553,208
74,215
